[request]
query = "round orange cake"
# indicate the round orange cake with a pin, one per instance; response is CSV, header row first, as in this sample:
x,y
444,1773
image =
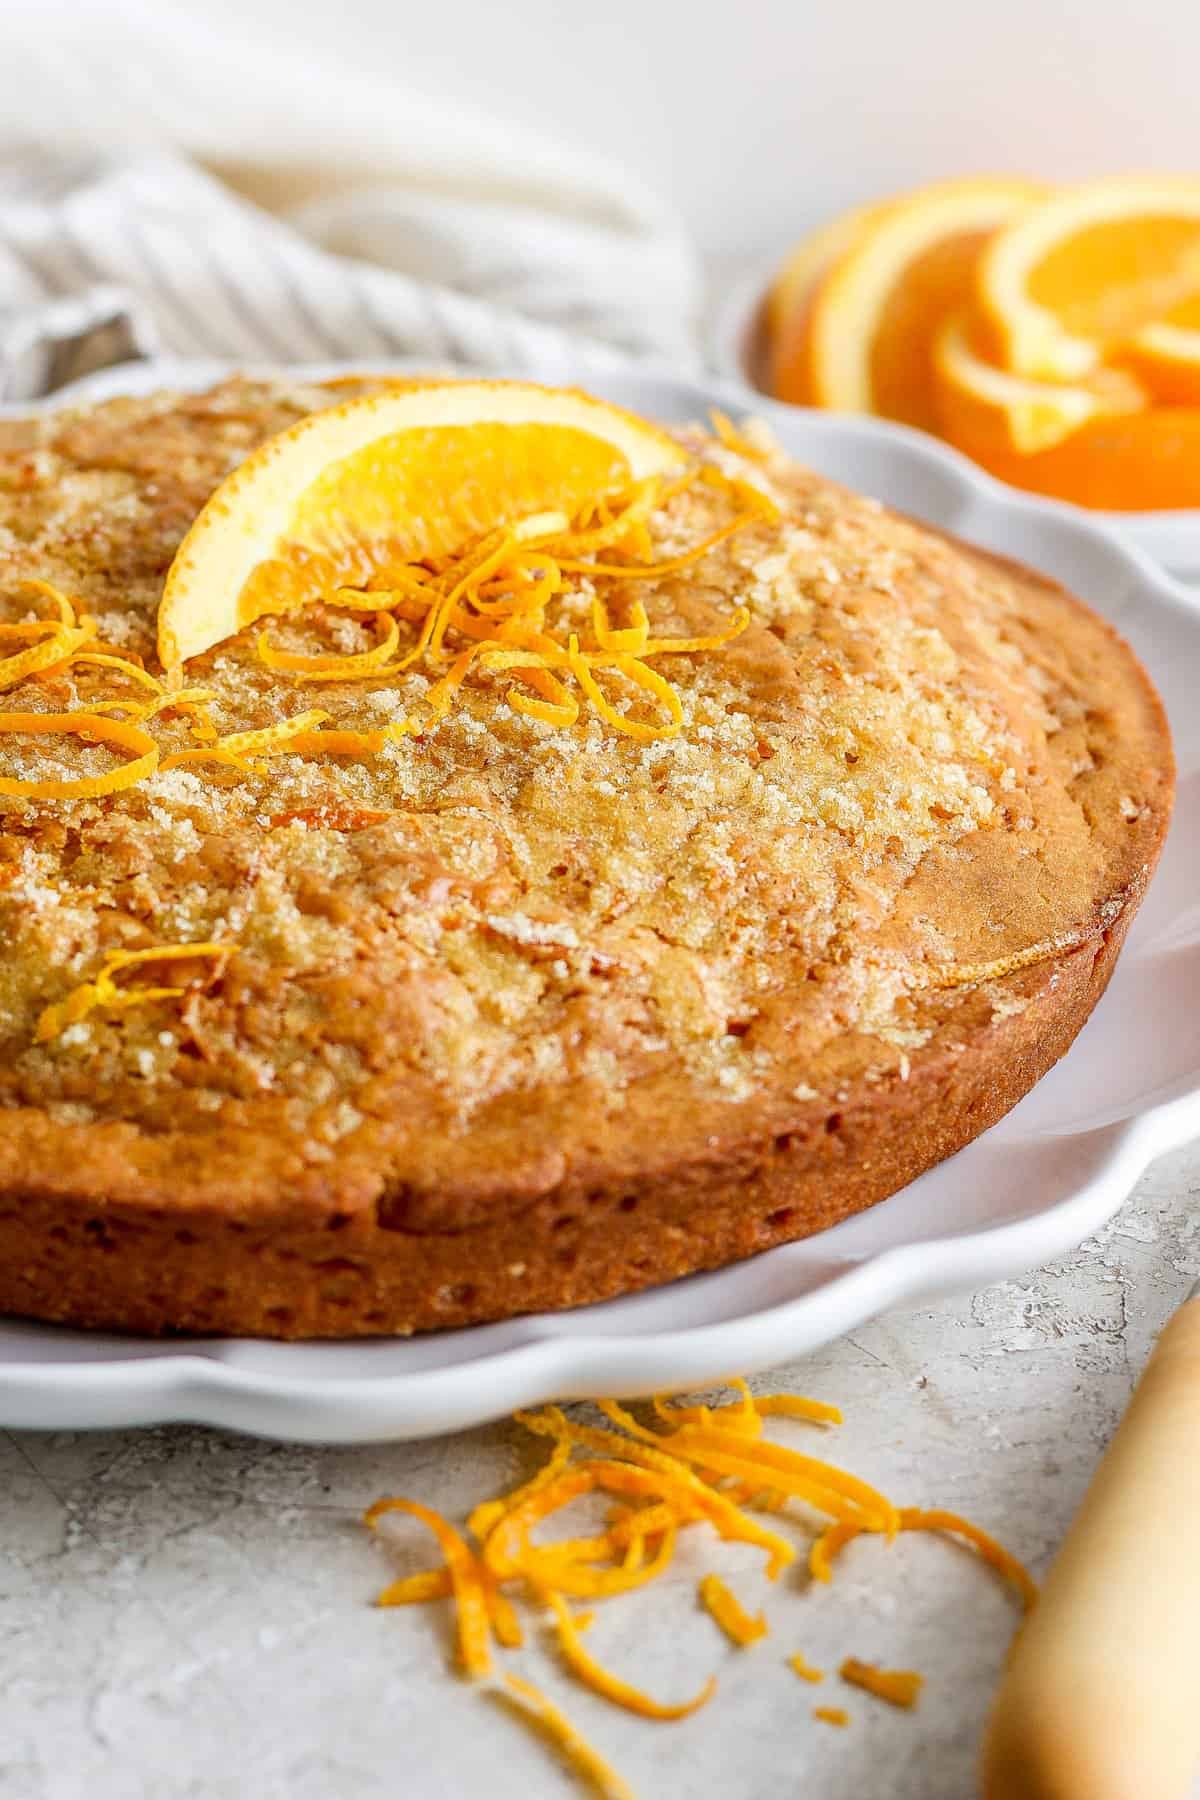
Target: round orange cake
x,y
508,1014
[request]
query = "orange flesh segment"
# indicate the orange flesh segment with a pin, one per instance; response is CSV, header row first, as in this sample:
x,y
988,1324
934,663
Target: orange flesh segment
x,y
987,408
442,483
352,493
1165,355
1110,278
935,284
1141,461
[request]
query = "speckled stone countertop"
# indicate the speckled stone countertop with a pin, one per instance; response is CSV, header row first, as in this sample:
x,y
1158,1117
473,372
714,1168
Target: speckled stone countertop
x,y
186,1615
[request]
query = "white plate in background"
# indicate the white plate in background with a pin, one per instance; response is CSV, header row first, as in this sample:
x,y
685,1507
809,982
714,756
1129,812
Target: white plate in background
x,y
1051,1172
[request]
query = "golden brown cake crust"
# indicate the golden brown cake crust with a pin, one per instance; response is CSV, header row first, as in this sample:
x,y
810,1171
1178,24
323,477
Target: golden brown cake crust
x,y
521,1017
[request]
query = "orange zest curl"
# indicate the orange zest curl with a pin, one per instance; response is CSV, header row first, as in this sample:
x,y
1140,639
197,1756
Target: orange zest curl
x,y
601,1777
239,746
331,667
474,1631
412,1590
102,990
819,1484
899,1687
737,1624
604,1682
915,1518
93,728
695,1466
733,439
804,1669
51,643
337,743
496,593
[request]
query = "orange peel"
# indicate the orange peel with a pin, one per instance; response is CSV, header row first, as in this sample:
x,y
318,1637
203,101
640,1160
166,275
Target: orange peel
x,y
874,316
93,728
102,991
739,1626
611,1686
389,479
1088,270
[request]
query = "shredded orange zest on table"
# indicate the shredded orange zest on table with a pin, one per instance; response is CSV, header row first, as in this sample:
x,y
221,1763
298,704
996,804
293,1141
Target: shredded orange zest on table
x,y
411,1590
803,1669
604,1779
737,1624
899,1687
820,1484
797,1406
913,1518
102,990
603,1681
474,1628
655,1495
730,1520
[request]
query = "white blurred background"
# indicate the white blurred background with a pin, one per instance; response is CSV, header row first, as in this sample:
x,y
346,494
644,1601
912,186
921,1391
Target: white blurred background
x,y
756,116
491,182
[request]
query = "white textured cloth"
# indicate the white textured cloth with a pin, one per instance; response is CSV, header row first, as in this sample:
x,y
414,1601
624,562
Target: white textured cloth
x,y
166,191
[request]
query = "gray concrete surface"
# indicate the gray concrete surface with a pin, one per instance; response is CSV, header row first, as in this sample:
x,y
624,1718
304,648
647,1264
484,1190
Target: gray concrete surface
x,y
186,1615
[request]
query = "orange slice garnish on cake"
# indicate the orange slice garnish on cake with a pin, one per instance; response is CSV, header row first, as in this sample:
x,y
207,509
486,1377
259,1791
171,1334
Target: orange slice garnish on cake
x,y
1088,273
357,493
986,410
875,315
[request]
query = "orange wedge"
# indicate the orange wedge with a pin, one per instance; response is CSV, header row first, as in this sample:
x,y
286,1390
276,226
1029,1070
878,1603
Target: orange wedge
x,y
1087,273
1133,462
875,315
1166,355
787,311
377,483
985,410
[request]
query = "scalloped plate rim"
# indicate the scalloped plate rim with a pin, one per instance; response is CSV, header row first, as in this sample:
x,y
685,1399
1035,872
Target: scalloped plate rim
x,y
557,1355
